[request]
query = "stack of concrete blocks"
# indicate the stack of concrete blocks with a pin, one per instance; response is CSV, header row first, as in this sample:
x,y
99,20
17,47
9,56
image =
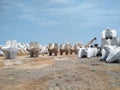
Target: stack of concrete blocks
x,y
109,37
88,52
110,54
10,49
44,50
53,49
34,49
1,53
75,48
66,47
110,45
22,48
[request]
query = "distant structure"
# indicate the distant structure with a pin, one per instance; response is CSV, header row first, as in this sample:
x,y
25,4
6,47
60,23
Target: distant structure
x,y
53,49
90,42
75,48
88,50
109,37
1,52
34,49
10,49
66,47
110,45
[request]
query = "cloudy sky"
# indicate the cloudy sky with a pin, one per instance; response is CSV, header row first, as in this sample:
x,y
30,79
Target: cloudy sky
x,y
57,20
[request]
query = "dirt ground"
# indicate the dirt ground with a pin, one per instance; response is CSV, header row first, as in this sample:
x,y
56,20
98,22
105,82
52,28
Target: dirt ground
x,y
58,73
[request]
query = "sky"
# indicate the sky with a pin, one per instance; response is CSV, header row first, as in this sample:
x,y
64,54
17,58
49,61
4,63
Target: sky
x,y
57,21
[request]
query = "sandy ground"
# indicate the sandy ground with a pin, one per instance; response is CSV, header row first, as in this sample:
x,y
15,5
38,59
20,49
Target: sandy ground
x,y
58,73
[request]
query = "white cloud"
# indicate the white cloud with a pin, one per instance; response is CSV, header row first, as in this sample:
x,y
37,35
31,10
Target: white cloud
x,y
42,16
73,11
70,9
24,8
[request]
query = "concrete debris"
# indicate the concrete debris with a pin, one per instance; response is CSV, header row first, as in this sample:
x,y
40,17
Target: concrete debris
x,y
109,49
44,50
1,53
66,47
75,48
109,37
87,52
10,49
34,49
53,49
110,45
22,48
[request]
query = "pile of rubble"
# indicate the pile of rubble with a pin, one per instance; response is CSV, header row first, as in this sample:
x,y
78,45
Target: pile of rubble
x,y
89,50
109,49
